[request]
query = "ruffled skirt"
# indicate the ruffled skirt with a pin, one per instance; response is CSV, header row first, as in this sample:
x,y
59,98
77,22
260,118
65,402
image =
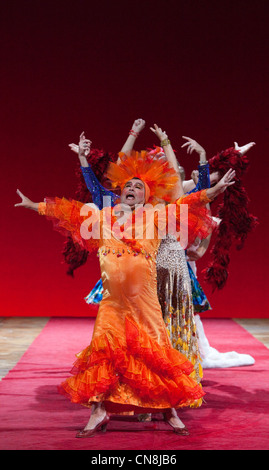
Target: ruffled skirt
x,y
137,376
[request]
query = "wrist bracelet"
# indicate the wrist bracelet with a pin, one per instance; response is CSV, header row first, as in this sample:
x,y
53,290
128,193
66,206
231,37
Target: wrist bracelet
x,y
133,133
165,142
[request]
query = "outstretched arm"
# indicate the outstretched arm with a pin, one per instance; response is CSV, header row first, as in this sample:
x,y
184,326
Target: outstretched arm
x,y
200,179
170,155
69,217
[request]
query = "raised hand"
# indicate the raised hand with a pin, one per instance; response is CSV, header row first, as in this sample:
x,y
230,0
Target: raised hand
x,y
226,180
84,145
192,145
138,125
73,147
245,148
162,135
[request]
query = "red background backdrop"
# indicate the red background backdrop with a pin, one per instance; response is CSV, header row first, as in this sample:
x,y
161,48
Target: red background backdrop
x,y
197,68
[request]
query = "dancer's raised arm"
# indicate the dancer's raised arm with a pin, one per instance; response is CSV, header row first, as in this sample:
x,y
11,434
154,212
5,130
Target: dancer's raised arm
x,y
203,177
94,186
68,217
192,145
137,127
82,149
170,155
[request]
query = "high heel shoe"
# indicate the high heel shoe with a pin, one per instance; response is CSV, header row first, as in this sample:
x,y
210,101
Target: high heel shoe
x,y
91,432
182,431
144,417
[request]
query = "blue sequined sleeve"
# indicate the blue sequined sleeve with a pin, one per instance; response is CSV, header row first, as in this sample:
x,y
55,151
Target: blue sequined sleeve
x,y
203,180
97,191
200,301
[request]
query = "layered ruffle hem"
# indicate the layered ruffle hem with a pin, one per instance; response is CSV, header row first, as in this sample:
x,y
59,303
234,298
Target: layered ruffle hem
x,y
140,375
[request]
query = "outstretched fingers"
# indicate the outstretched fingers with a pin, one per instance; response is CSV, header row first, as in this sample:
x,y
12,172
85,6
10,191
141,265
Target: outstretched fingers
x,y
73,147
229,176
22,198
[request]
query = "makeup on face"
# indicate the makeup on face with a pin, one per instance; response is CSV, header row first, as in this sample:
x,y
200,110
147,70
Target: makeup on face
x,y
133,192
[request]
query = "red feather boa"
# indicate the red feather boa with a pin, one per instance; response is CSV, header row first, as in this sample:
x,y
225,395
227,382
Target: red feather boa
x,y
236,221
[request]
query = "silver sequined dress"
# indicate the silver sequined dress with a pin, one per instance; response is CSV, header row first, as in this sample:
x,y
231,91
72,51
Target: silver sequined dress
x,y
175,297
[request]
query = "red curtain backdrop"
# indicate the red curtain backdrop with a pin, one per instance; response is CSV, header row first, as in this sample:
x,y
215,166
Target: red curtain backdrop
x,y
196,68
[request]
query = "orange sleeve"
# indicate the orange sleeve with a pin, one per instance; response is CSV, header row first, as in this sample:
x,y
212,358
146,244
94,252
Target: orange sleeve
x,y
196,198
42,208
74,218
187,219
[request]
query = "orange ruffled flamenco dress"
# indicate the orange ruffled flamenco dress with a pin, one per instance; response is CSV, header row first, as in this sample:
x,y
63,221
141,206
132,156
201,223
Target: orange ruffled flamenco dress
x,y
130,364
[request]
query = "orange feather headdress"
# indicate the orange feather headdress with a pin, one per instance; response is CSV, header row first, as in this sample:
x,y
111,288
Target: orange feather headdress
x,y
155,174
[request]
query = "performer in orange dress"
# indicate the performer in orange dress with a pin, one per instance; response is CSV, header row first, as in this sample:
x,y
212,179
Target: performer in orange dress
x,y
130,363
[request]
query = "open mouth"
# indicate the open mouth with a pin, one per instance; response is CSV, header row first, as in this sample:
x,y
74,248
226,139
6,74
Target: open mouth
x,y
130,196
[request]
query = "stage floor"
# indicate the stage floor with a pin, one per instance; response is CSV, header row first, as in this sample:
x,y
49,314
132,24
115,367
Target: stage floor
x,y
18,333
37,356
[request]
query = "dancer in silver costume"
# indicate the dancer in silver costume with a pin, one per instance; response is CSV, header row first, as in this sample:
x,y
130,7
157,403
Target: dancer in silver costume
x,y
173,276
175,297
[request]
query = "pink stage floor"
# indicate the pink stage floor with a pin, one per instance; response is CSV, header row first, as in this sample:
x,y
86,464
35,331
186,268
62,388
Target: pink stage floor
x,y
235,415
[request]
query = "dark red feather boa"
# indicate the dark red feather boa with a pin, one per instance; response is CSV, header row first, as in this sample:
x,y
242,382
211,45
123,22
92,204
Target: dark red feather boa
x,y
236,221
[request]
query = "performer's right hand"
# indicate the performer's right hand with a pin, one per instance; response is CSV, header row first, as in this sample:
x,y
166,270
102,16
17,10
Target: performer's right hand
x,y
84,145
138,125
73,147
26,202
